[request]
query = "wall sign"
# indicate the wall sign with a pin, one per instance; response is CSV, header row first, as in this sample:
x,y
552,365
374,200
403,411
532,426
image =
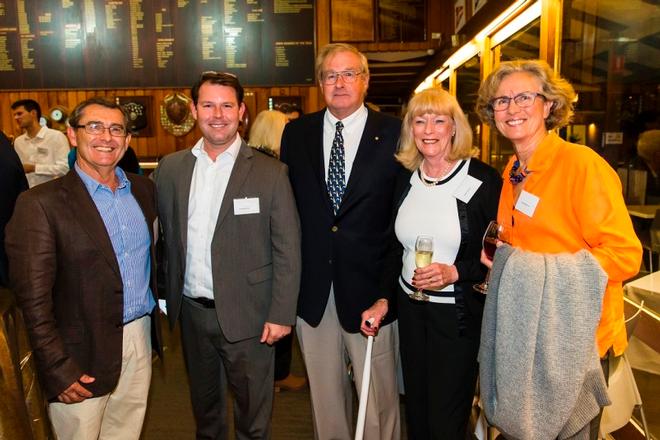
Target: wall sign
x,y
156,43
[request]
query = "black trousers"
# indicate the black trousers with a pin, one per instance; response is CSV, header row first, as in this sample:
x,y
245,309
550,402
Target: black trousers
x,y
283,349
214,365
439,369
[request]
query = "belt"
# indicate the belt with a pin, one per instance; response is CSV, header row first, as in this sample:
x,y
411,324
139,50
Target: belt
x,y
204,302
431,296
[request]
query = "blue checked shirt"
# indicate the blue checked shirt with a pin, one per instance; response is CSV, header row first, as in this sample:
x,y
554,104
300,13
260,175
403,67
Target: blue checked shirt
x,y
129,234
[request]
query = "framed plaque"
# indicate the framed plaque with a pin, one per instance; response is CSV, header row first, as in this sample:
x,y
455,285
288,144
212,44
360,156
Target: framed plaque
x,y
139,114
352,20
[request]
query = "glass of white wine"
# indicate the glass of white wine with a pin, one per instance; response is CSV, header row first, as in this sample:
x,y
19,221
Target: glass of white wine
x,y
423,257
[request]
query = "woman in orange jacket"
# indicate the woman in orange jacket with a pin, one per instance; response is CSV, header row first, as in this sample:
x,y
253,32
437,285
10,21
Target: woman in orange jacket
x,y
558,196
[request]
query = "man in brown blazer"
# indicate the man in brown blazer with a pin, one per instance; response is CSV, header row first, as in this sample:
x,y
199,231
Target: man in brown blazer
x,y
81,260
232,262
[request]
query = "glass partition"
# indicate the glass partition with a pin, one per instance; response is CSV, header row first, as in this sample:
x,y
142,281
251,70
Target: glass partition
x,y
467,87
610,53
522,45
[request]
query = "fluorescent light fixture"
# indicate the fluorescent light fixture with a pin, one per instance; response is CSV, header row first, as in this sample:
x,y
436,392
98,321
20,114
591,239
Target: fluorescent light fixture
x,y
527,16
502,18
531,11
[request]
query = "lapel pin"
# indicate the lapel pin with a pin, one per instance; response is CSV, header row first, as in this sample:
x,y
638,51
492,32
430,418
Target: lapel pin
x,y
376,138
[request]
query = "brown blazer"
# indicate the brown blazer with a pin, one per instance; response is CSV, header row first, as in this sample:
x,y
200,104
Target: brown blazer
x,y
66,278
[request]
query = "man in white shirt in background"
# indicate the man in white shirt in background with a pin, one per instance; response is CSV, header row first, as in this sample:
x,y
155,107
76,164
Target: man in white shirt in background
x,y
42,150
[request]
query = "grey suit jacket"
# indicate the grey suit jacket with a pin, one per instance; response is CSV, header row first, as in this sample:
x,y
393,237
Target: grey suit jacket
x,y
255,257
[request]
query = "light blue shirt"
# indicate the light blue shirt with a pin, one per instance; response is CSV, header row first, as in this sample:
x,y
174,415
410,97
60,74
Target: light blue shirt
x,y
129,234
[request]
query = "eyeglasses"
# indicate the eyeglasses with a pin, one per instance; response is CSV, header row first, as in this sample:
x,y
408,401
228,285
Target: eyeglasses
x,y
97,128
523,100
349,76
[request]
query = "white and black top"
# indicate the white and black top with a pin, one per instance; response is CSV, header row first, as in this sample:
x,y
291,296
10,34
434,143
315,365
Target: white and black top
x,y
455,211
431,210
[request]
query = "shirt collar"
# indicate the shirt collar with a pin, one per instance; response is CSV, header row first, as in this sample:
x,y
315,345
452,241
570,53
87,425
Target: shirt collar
x,y
543,155
348,120
93,185
40,134
232,151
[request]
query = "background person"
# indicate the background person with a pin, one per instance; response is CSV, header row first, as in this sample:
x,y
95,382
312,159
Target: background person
x,y
560,197
266,132
232,262
266,136
12,182
82,265
43,151
452,198
342,169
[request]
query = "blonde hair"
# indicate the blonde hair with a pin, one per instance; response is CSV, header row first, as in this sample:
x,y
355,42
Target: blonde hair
x,y
555,89
438,102
331,49
267,130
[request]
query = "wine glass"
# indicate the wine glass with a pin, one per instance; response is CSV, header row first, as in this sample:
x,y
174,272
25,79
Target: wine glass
x,y
494,232
423,257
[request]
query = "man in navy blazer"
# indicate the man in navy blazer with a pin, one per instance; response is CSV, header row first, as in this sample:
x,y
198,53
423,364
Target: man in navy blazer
x,y
342,170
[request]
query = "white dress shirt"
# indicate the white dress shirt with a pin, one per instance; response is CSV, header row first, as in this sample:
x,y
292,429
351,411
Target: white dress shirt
x,y
352,133
207,189
48,151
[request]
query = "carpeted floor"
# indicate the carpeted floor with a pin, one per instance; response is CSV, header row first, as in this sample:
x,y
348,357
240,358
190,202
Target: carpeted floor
x,y
169,415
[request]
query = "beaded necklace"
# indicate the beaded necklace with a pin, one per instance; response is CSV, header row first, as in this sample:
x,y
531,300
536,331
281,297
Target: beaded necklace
x,y
515,175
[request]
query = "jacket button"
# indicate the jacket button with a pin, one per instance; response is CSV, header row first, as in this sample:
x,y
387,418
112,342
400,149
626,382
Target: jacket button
x,y
334,229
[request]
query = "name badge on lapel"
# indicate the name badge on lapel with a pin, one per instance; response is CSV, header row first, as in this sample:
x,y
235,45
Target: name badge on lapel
x,y
246,206
527,203
467,188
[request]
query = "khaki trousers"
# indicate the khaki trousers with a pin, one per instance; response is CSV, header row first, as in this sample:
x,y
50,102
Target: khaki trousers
x,y
118,415
326,350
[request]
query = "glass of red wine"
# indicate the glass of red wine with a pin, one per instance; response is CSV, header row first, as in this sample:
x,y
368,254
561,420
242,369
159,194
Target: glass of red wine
x,y
495,232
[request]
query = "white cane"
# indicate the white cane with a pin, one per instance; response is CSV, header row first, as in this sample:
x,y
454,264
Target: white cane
x,y
364,390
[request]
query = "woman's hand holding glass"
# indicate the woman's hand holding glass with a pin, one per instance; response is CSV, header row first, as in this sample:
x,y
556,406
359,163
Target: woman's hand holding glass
x,y
495,235
435,276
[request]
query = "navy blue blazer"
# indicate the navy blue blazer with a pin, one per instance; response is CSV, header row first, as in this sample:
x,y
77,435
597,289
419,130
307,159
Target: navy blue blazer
x,y
348,249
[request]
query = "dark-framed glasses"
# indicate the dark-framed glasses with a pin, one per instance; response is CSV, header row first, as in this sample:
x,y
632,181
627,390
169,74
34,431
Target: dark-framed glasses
x,y
97,128
523,100
348,76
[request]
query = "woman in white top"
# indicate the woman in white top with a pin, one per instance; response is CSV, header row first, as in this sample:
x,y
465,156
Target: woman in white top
x,y
451,197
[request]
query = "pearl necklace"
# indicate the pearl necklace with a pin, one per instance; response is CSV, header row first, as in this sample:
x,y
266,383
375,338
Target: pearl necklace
x,y
434,181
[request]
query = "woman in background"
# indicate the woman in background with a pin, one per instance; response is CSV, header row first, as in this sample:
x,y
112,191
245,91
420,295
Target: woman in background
x,y
266,132
265,136
451,197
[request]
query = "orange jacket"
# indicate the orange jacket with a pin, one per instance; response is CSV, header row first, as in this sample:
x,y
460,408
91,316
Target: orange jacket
x,y
581,207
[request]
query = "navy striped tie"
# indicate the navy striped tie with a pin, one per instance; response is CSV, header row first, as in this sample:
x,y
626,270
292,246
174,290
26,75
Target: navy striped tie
x,y
336,174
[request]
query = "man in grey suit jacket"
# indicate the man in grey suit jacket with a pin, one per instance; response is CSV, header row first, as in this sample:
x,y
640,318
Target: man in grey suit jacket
x,y
232,261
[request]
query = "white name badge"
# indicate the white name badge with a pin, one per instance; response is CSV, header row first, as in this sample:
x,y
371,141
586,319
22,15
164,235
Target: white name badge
x,y
467,188
527,203
246,206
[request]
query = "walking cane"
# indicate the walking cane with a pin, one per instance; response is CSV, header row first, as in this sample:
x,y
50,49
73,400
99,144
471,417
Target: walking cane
x,y
364,390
